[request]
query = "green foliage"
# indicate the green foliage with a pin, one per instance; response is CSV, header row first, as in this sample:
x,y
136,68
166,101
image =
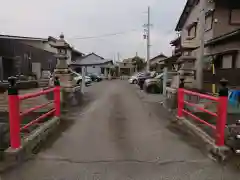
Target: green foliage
x,y
139,63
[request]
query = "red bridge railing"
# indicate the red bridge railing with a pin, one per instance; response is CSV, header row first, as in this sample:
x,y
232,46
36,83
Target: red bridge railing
x,y
221,114
15,116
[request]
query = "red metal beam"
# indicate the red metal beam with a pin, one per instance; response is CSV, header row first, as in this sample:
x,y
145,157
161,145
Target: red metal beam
x,y
32,95
200,108
198,119
34,109
205,96
38,119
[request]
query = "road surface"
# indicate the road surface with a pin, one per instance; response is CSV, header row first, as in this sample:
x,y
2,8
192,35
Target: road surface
x,y
117,136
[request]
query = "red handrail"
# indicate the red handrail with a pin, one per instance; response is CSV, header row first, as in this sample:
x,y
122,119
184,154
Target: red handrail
x,y
34,109
32,95
200,120
205,96
15,115
200,108
221,112
38,119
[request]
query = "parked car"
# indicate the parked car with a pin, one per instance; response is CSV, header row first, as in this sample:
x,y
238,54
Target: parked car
x,y
154,85
134,79
145,76
78,79
102,76
95,77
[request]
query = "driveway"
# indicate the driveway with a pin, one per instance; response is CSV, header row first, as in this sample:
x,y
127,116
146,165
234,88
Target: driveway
x,y
117,136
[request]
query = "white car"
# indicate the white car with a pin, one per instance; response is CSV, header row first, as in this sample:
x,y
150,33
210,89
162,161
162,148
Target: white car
x,y
78,78
133,79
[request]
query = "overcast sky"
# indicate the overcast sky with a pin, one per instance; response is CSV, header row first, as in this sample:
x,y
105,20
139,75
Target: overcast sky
x,y
86,18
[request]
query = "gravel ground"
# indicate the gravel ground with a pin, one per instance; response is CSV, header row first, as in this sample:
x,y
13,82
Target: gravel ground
x,y
118,135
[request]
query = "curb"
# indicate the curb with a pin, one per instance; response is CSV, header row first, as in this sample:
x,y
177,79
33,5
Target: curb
x,y
13,157
218,153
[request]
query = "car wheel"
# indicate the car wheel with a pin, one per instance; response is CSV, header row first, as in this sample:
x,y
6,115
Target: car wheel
x,y
151,89
134,81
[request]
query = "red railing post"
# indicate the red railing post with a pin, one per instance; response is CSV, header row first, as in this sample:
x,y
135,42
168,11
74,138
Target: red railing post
x,y
57,97
14,116
180,98
180,102
222,114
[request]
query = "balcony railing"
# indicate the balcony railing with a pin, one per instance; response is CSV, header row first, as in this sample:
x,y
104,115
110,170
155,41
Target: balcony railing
x,y
189,43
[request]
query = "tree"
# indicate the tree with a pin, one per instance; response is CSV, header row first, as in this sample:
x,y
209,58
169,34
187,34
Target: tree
x,y
139,63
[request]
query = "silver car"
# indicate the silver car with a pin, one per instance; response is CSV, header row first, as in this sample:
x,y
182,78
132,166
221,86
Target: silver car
x,y
154,85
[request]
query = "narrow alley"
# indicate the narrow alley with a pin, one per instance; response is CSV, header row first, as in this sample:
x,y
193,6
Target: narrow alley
x,y
117,136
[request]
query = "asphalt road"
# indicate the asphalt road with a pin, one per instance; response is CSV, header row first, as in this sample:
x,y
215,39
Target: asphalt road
x,y
117,136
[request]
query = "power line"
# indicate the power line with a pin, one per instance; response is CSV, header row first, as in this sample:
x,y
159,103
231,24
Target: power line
x,y
103,35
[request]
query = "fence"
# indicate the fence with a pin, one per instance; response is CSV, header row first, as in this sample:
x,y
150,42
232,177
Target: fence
x,y
221,113
15,116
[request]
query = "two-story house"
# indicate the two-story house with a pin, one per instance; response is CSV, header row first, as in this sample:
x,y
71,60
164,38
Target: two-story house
x,y
156,63
222,24
171,62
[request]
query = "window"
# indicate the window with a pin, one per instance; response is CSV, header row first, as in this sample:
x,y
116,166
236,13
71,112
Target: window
x,y
234,17
218,62
192,31
93,66
187,53
227,62
209,22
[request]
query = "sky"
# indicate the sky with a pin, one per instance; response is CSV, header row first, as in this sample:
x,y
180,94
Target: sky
x,y
78,19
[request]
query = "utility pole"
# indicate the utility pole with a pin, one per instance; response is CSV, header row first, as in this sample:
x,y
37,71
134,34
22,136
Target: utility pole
x,y
118,57
147,30
148,40
199,63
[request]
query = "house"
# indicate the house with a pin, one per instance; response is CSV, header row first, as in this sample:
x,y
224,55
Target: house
x,y
126,67
72,53
17,57
29,55
131,65
221,36
93,63
171,62
156,63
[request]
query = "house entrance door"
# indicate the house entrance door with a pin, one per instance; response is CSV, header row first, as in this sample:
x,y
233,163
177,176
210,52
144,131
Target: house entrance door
x,y
7,68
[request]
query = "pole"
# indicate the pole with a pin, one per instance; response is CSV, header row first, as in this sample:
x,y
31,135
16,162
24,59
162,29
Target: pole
x,y
165,78
1,69
214,78
14,113
180,99
57,97
118,57
222,113
148,40
199,63
83,79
